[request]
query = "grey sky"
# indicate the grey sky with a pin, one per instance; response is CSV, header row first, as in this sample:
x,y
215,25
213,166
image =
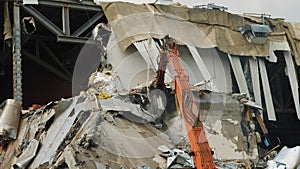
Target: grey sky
x,y
288,9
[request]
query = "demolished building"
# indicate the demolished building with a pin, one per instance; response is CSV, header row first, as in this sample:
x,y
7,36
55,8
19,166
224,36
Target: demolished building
x,y
107,129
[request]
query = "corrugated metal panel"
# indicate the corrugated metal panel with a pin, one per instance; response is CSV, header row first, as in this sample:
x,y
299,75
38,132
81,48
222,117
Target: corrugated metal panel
x,y
202,67
151,57
238,73
129,65
273,46
291,72
267,91
255,80
150,53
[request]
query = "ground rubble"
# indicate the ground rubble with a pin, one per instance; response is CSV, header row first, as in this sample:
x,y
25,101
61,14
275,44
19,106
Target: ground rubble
x,y
87,132
105,128
81,132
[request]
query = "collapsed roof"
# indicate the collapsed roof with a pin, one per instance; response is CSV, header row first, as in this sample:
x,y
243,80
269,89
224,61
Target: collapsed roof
x,y
197,27
217,29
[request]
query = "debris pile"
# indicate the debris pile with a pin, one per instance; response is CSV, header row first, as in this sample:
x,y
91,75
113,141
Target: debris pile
x,y
176,158
85,132
121,130
124,130
104,84
108,127
287,158
9,124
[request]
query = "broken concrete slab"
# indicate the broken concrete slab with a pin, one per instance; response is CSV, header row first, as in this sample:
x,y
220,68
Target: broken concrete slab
x,y
70,159
58,131
130,111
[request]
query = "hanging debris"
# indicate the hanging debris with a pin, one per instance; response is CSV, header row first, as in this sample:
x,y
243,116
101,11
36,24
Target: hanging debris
x,y
28,25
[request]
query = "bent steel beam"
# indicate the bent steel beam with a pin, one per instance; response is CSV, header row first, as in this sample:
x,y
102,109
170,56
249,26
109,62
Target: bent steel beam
x,y
88,24
74,39
84,5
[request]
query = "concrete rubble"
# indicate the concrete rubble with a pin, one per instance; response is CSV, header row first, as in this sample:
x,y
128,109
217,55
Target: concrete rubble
x,y
76,133
88,131
112,125
287,158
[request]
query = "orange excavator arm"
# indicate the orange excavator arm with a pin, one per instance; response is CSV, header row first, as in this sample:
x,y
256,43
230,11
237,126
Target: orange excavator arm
x,y
203,156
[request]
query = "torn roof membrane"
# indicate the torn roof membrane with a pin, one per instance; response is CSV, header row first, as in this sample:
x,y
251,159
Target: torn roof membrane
x,y
195,27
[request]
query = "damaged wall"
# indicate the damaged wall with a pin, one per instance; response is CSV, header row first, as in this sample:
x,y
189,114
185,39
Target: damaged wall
x,y
207,29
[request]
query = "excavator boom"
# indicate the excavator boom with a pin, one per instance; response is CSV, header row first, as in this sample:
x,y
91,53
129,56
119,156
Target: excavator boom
x,y
203,156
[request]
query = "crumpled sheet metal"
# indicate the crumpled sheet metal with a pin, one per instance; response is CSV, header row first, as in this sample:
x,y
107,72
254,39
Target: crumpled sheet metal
x,y
130,111
55,135
176,158
10,118
287,158
63,121
104,82
27,156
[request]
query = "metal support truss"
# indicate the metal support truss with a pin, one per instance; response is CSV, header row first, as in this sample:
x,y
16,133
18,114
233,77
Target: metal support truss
x,y
73,39
88,24
43,20
66,20
65,34
83,5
